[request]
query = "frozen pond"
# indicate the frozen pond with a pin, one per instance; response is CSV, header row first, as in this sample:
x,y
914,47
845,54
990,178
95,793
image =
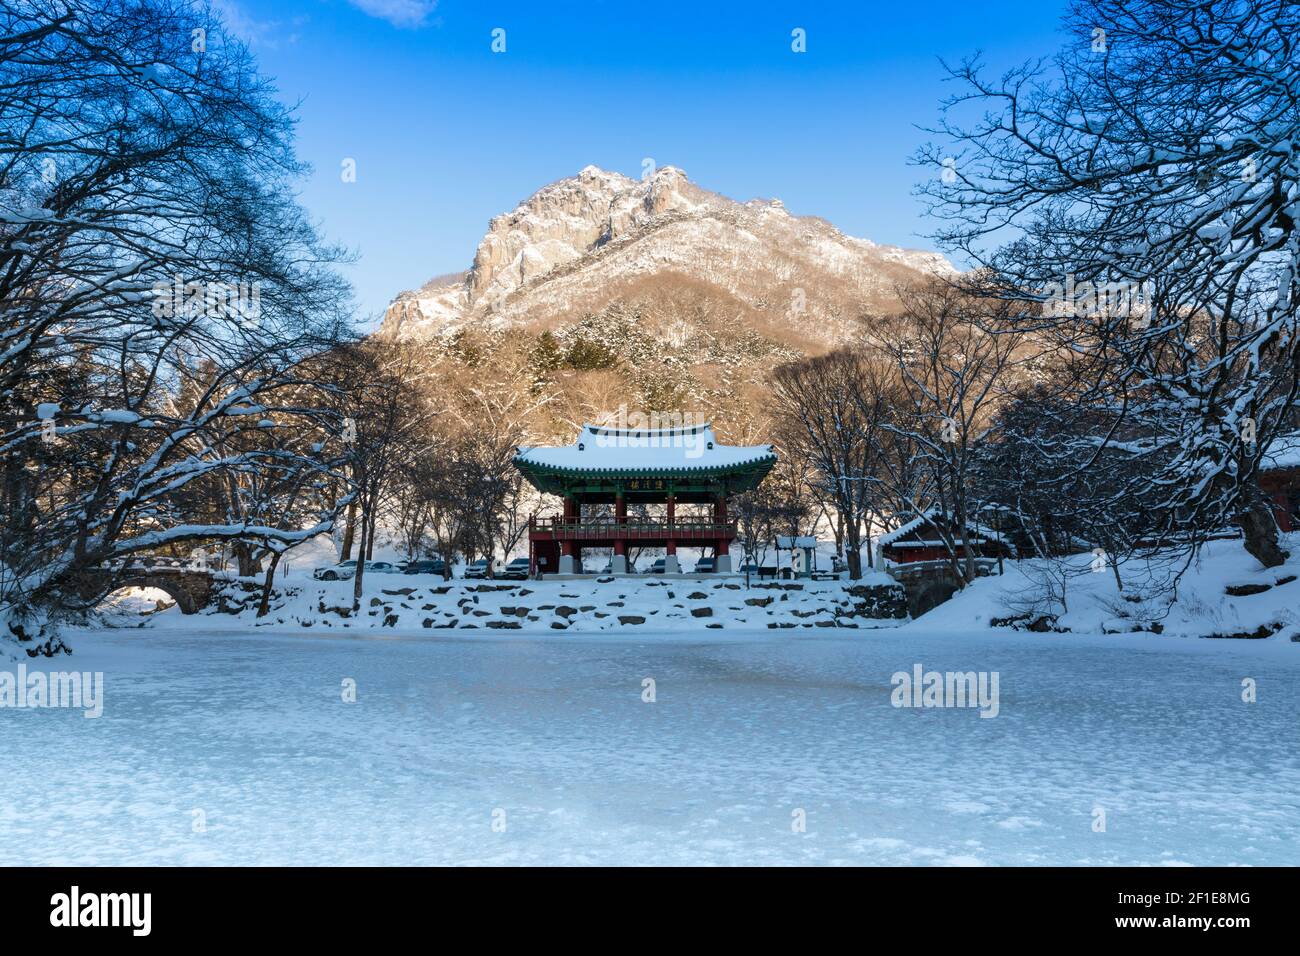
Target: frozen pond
x,y
235,748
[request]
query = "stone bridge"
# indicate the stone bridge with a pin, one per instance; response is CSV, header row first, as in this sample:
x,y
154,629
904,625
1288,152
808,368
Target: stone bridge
x,y
192,587
930,583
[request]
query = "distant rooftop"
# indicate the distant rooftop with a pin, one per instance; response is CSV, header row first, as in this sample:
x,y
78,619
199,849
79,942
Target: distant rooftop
x,y
1283,453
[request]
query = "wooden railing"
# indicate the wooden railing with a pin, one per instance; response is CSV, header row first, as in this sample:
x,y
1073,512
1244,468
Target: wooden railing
x,y
609,527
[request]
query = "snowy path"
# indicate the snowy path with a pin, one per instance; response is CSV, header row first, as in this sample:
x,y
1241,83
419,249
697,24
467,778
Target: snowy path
x,y
251,729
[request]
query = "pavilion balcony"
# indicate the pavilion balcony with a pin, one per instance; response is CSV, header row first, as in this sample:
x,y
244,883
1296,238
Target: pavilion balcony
x,y
559,528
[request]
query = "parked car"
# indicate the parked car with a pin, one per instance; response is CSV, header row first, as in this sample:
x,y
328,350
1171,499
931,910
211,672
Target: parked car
x,y
477,569
658,566
343,571
749,569
704,566
381,567
427,566
516,570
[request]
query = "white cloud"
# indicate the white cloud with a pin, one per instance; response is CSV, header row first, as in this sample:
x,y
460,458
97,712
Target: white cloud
x,y
400,13
254,32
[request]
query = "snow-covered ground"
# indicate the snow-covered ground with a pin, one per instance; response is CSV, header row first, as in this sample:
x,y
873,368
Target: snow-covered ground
x,y
1222,592
547,736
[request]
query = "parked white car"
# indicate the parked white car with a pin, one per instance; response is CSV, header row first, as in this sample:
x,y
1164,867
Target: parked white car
x,y
343,571
347,570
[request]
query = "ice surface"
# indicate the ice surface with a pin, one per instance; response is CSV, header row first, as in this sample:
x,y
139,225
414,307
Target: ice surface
x,y
249,727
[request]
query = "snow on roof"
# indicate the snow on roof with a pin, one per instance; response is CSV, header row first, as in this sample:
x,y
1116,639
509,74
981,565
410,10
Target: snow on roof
x,y
926,517
1283,453
605,448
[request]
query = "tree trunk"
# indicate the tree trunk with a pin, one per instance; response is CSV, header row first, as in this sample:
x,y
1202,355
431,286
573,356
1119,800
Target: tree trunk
x,y
370,536
853,550
349,530
265,605
968,551
249,564
361,570
1119,582
1260,533
954,565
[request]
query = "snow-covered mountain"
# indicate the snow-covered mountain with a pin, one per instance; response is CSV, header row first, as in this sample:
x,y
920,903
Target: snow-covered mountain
x,y
580,244
601,291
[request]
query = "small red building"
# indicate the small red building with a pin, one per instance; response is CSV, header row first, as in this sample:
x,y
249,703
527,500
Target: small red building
x,y
1279,477
623,466
920,540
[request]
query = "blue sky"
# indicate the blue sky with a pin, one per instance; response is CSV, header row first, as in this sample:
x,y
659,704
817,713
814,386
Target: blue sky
x,y
446,133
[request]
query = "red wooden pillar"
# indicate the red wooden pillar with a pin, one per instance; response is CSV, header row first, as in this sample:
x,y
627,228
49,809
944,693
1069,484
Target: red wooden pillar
x,y
723,545
671,544
572,516
620,521
532,551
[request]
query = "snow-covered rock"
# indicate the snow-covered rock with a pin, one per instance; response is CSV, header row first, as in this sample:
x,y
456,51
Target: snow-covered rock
x,y
596,604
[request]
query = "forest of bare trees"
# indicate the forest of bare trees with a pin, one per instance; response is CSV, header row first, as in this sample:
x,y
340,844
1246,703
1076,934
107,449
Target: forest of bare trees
x,y
1150,173
893,428
1113,371
180,369
180,372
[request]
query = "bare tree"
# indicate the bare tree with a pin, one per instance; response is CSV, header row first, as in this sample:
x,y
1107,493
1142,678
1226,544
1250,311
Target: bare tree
x,y
159,291
1137,198
385,423
824,418
953,358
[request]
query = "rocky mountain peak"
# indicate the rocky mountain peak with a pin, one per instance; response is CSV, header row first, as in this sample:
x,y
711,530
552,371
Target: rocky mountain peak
x,y
579,243
564,221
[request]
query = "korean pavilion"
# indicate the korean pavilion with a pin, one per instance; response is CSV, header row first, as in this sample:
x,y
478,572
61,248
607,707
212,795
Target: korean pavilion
x,y
622,467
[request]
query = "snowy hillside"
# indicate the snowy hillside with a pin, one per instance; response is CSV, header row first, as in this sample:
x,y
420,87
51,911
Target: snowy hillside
x,y
1223,593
